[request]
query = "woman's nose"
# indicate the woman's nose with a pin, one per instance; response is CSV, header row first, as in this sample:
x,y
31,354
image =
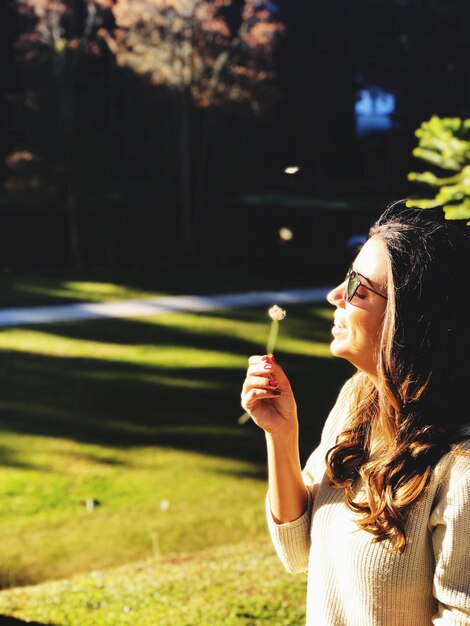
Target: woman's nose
x,y
336,296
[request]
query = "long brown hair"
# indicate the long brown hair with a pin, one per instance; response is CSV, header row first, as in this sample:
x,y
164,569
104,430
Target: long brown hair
x,y
399,429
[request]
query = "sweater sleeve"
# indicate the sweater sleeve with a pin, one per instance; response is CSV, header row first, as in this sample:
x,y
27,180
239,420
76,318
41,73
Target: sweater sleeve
x,y
450,528
291,540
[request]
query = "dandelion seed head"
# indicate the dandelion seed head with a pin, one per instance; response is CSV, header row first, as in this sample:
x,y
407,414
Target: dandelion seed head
x,y
276,313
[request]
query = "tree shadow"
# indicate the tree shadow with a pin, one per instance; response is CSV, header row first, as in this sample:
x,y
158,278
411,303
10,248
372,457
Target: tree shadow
x,y
112,398
53,286
5,620
140,333
121,405
9,458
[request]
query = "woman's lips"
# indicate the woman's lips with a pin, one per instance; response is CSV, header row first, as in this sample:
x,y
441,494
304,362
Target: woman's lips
x,y
339,331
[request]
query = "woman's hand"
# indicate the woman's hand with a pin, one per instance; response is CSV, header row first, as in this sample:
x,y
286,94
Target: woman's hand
x,y
267,395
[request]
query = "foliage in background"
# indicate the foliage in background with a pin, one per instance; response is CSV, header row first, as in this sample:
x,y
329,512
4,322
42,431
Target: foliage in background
x,y
206,54
445,143
200,56
55,37
203,48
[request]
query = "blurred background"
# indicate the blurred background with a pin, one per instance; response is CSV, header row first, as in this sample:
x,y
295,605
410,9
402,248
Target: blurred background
x,y
167,147
154,134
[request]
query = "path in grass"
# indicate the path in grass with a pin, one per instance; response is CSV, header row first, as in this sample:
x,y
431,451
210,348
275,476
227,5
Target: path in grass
x,y
156,306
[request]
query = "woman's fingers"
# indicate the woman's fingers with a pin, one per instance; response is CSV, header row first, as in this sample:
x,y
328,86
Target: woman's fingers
x,y
257,388
268,367
258,382
267,395
256,358
252,397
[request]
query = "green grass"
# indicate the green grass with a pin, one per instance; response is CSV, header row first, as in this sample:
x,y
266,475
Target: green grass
x,y
242,585
49,287
141,415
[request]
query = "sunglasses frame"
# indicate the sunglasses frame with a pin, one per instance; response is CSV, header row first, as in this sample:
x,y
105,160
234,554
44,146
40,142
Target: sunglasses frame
x,y
352,274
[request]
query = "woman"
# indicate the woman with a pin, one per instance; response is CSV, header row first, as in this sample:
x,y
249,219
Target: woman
x,y
380,515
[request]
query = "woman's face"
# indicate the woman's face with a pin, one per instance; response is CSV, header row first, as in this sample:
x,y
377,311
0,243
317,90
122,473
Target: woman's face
x,y
357,325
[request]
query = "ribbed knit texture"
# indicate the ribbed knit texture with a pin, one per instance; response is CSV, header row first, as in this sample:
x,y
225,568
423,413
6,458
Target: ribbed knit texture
x,y
355,582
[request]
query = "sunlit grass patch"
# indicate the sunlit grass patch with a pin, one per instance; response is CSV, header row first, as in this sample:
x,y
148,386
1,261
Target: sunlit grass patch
x,y
140,416
241,585
145,502
44,343
83,291
95,285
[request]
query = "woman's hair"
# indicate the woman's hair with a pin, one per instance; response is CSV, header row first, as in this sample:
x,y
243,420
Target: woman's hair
x,y
399,429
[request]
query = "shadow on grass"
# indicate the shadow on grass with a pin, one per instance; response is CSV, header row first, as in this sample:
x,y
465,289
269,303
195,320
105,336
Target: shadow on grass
x,y
131,403
9,458
216,330
12,621
54,287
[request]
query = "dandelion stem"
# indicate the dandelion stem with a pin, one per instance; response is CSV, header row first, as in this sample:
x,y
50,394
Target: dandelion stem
x,y
276,314
273,332
244,418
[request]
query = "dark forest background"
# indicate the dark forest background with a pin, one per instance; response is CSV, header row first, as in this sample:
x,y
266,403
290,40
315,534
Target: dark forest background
x,y
101,165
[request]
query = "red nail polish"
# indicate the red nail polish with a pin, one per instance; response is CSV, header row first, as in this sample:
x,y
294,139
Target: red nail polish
x,y
265,358
273,383
268,366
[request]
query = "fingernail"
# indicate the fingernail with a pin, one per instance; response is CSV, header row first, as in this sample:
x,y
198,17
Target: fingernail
x,y
271,356
265,358
273,383
268,366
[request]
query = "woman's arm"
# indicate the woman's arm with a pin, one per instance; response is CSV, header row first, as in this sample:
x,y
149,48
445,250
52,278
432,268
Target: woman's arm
x,y
450,527
288,495
291,491
267,396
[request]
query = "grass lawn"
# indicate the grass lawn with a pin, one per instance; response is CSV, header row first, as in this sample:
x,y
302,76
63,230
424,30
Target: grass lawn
x,y
141,416
242,585
49,287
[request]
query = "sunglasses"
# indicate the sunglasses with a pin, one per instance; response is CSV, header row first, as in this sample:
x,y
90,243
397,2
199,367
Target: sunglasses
x,y
353,284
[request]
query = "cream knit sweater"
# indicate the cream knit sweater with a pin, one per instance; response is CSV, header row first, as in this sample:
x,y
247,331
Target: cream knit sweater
x,y
354,582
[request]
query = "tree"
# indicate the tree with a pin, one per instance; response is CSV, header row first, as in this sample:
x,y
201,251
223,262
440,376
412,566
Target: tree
x,y
445,143
207,53
59,33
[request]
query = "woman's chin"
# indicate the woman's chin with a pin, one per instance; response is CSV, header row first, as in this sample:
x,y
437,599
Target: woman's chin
x,y
337,349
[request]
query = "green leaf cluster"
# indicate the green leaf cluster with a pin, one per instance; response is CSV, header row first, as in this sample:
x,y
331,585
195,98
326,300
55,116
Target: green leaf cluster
x,y
445,143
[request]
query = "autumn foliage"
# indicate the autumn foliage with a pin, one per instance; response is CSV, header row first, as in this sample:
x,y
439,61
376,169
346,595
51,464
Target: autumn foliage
x,y
212,49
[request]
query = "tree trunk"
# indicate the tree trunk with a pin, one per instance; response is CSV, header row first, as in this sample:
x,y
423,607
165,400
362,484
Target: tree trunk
x,y
65,68
72,224
185,186
108,239
114,161
202,171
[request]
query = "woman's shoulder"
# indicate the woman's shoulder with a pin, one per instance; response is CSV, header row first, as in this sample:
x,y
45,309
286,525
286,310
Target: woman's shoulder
x,y
450,487
454,466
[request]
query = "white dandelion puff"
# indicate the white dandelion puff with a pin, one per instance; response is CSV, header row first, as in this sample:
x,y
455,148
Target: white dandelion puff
x,y
276,314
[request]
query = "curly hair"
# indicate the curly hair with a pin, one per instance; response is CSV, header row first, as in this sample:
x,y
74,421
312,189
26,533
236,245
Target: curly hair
x,y
400,428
